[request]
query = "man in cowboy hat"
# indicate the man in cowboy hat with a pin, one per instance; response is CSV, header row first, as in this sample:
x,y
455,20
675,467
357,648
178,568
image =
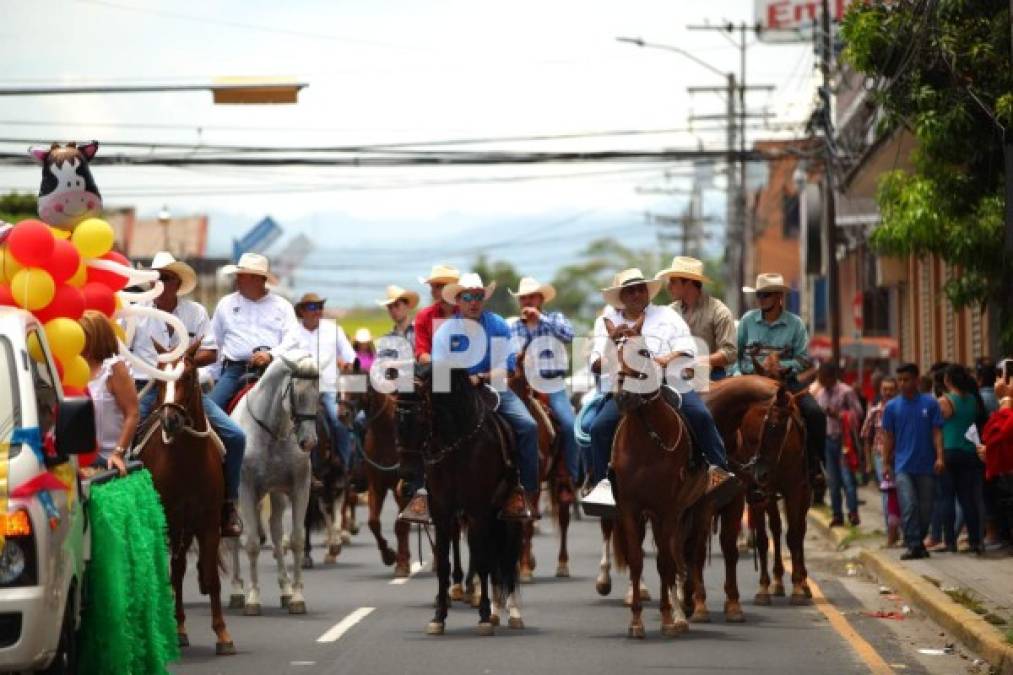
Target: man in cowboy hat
x,y
553,331
401,339
707,317
179,279
667,338
320,339
779,341
438,278
451,344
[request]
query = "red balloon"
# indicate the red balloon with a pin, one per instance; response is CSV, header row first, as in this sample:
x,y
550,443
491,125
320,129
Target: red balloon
x,y
64,262
69,390
31,243
68,302
115,282
6,297
100,297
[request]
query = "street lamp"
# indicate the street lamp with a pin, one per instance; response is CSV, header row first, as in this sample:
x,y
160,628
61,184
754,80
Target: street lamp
x,y
639,42
236,90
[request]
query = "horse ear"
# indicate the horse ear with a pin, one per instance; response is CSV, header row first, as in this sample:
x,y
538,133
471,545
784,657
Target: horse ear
x,y
191,351
610,327
757,366
159,349
638,326
782,396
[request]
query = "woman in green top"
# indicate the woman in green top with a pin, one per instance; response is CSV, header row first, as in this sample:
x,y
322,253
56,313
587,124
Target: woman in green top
x,y
962,408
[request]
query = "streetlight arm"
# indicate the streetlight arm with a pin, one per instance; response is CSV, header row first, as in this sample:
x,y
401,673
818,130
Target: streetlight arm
x,y
639,42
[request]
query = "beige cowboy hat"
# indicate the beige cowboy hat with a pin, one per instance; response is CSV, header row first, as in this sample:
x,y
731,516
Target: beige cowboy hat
x,y
441,274
164,260
529,285
362,335
684,267
467,282
395,293
306,299
629,277
252,263
768,283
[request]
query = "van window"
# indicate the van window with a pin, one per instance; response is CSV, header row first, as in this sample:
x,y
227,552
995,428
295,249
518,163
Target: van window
x,y
46,398
10,403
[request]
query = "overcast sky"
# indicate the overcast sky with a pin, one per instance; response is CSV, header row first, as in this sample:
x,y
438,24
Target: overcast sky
x,y
383,71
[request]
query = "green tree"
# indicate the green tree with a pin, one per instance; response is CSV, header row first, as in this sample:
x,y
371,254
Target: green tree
x,y
15,206
506,277
944,72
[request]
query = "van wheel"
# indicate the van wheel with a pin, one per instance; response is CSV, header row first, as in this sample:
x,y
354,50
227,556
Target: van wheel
x,y
65,661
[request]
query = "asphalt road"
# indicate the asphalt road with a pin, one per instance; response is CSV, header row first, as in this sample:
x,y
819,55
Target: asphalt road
x,y
569,628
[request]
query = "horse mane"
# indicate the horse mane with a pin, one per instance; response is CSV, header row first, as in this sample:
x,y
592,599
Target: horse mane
x,y
455,412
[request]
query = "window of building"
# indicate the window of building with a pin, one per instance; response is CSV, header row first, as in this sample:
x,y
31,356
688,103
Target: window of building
x,y
791,221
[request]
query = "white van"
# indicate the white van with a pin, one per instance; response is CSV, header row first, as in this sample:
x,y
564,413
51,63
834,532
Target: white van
x,y
44,540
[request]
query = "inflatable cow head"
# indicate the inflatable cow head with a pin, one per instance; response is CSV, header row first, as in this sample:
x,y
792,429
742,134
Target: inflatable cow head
x,y
68,193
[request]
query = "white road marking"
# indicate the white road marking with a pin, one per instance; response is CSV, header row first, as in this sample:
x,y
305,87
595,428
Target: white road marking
x,y
302,663
415,569
342,627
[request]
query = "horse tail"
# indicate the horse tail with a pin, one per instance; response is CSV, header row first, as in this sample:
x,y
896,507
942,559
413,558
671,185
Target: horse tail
x,y
505,553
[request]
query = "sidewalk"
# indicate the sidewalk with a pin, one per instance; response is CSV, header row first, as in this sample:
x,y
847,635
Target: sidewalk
x,y
970,596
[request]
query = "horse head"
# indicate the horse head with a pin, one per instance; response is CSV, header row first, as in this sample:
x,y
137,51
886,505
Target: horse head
x,y
413,408
175,396
771,365
781,418
302,399
630,337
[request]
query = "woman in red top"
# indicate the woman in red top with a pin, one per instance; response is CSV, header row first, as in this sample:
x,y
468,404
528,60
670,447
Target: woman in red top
x,y
997,453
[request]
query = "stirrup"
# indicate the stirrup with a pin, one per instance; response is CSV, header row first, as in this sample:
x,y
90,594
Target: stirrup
x,y
599,502
516,507
721,485
417,510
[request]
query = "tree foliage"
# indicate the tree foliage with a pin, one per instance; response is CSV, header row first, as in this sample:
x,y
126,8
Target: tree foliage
x,y
15,206
943,72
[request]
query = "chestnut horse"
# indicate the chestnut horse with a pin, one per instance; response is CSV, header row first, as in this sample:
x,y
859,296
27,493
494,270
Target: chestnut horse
x,y
551,470
467,450
178,449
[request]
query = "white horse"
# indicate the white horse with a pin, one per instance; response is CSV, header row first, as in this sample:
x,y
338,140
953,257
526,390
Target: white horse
x,y
278,417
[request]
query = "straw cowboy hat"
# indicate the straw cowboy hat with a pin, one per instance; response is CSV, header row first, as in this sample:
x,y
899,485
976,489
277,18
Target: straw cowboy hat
x,y
362,335
768,283
443,274
164,260
395,293
529,285
467,282
252,263
306,299
684,267
629,277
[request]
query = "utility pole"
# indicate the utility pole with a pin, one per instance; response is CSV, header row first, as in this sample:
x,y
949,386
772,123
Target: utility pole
x,y
829,201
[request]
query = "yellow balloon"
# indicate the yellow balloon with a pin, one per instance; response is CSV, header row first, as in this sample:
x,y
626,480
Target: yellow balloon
x,y
120,333
65,337
8,265
80,276
35,348
59,232
76,372
93,237
32,288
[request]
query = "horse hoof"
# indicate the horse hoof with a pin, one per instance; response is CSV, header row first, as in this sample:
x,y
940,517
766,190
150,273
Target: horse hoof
x,y
225,648
700,616
674,629
388,557
735,617
777,590
354,529
402,571
762,599
799,599
516,622
645,595
525,577
603,587
563,571
457,593
333,551
494,619
307,562
237,601
476,600
285,599
182,640
297,607
637,632
346,537
808,592
251,609
330,559
485,629
434,628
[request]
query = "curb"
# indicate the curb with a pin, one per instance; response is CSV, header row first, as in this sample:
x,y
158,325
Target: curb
x,y
973,631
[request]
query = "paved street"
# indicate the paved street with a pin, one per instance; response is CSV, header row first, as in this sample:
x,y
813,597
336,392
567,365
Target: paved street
x,y
570,629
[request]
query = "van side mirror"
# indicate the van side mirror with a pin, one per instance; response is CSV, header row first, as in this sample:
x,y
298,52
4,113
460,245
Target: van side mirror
x,y
75,426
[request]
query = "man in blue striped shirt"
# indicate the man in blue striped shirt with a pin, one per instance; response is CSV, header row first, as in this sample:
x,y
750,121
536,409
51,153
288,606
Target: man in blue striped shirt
x,y
545,335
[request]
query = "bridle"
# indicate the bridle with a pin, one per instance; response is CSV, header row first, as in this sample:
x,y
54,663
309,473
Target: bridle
x,y
289,395
768,427
643,399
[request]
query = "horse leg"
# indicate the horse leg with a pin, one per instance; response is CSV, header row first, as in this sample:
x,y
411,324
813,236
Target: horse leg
x,y
457,591
634,533
480,545
180,545
603,584
777,585
526,566
376,499
249,506
332,538
300,503
237,599
277,533
796,506
402,563
347,514
563,520
731,522
759,520
693,589
210,583
666,573
307,558
443,529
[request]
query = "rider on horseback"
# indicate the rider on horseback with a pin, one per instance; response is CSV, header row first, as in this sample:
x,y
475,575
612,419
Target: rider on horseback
x,y
249,318
667,338
779,341
179,279
428,318
399,303
479,341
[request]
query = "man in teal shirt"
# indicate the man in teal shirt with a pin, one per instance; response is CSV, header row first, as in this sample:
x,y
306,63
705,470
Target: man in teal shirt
x,y
779,341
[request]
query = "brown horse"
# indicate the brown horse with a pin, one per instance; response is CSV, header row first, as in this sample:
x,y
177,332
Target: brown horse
x,y
178,449
466,449
551,470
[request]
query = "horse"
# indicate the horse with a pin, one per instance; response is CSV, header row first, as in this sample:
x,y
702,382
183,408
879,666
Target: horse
x,y
467,451
552,470
328,486
178,449
278,416
657,479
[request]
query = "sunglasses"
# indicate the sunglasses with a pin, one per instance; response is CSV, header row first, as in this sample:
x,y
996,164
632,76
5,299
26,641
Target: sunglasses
x,y
313,306
472,296
168,278
763,295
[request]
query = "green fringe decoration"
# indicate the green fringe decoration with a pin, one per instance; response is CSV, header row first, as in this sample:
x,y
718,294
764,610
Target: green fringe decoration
x,y
129,617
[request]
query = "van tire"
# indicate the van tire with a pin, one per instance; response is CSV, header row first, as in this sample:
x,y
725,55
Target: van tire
x,y
65,661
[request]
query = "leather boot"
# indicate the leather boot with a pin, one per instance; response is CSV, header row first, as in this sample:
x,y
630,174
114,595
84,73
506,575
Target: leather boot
x,y
232,524
721,485
516,506
417,510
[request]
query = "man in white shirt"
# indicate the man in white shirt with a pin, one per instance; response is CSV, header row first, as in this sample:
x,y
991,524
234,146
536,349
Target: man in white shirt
x,y
321,340
179,279
667,338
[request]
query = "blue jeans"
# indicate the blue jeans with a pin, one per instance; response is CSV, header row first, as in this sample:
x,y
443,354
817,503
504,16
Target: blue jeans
x,y
966,476
563,411
839,476
516,414
603,429
228,384
147,402
339,432
915,493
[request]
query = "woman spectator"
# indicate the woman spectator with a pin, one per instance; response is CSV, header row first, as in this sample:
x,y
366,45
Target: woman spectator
x,y
997,452
872,437
365,352
112,391
962,409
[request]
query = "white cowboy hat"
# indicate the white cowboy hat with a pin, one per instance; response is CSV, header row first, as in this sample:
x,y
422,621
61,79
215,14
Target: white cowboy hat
x,y
362,335
684,267
629,277
768,283
252,263
441,273
467,281
395,293
529,285
164,260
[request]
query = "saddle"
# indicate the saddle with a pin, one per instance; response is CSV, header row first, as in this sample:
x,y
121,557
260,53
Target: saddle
x,y
674,400
243,391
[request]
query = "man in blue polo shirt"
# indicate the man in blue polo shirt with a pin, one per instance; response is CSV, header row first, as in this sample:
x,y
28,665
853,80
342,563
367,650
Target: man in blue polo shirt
x,y
912,451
